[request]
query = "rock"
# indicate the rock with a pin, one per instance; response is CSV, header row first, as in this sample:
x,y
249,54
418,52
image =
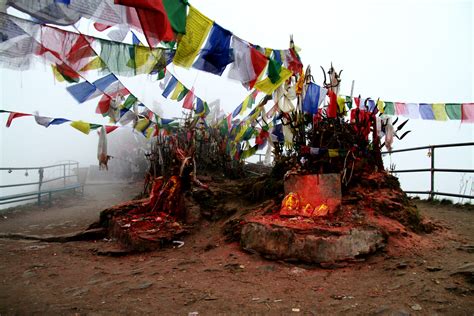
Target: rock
x,y
80,291
416,307
284,243
467,270
29,274
433,269
402,265
296,271
467,248
141,286
267,268
234,267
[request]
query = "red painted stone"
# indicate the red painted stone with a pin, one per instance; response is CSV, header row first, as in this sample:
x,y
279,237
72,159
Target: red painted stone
x,y
319,194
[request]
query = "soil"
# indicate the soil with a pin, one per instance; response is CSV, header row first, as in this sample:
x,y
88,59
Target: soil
x,y
412,276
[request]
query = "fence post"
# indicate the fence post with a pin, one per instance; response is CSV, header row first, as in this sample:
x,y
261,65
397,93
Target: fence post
x,y
432,171
64,175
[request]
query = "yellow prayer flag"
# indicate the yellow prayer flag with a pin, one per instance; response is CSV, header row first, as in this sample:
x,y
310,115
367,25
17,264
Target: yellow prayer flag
x,y
150,131
177,90
146,59
268,87
439,111
94,64
333,153
142,125
268,52
82,126
341,104
197,28
380,106
57,74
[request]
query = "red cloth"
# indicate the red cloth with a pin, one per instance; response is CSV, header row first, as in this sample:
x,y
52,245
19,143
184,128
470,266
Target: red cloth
x,y
188,100
262,136
259,61
104,104
332,108
110,129
467,113
14,115
362,121
153,19
294,63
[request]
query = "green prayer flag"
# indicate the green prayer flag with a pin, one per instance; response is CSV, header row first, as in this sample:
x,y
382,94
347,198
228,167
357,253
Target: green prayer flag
x,y
95,126
274,69
182,94
454,111
131,99
161,74
176,10
389,108
349,102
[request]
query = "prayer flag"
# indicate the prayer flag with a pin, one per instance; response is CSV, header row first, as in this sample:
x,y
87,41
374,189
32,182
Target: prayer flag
x,y
454,111
197,28
176,10
110,129
313,98
267,86
81,126
468,112
81,92
259,61
401,109
426,111
341,104
14,115
439,111
188,100
381,106
413,111
153,19
274,69
58,121
42,120
389,108
170,86
237,110
242,68
177,91
216,54
332,107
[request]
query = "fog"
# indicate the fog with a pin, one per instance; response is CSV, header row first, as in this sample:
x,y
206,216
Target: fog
x,y
404,51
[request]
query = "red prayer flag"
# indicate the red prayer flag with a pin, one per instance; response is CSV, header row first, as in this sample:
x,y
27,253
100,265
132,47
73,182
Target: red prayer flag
x,y
104,105
259,61
110,129
14,115
467,113
332,107
153,19
188,100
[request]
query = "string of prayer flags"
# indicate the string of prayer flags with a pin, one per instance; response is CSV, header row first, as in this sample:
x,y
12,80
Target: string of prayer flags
x,y
172,83
197,28
216,54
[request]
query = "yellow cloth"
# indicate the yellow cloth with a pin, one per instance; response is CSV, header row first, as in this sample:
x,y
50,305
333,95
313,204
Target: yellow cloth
x,y
149,131
341,104
146,59
333,153
82,126
197,28
439,111
94,64
57,74
245,104
266,85
177,90
380,106
142,125
268,52
300,84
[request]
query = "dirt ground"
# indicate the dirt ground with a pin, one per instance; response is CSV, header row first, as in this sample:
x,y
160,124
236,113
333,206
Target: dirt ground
x,y
211,277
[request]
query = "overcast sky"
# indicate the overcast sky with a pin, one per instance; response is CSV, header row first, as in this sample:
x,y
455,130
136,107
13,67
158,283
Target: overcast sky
x,y
406,51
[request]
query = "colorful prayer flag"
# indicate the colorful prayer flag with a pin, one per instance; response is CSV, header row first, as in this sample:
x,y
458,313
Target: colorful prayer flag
x,y
197,28
81,126
468,112
14,115
426,111
453,110
267,86
439,111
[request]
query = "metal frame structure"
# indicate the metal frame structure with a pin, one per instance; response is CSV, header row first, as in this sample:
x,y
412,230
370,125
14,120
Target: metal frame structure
x,y
66,169
433,170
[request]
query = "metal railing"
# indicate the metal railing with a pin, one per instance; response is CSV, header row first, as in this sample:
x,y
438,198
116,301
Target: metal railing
x,y
61,171
433,169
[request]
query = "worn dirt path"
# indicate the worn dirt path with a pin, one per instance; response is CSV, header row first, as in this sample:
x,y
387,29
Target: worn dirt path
x,y
212,277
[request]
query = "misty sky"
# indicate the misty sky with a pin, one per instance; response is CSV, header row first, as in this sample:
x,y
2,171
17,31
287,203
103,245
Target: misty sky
x,y
406,51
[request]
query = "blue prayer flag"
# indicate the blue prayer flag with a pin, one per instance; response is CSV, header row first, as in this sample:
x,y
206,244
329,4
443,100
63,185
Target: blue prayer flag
x,y
311,99
170,87
81,91
426,111
216,54
58,121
